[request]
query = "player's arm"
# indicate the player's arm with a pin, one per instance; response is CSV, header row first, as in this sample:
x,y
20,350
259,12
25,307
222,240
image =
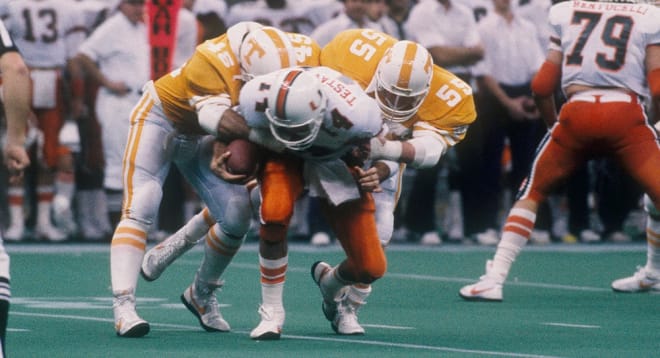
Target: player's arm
x,y
653,77
16,98
545,83
422,151
92,70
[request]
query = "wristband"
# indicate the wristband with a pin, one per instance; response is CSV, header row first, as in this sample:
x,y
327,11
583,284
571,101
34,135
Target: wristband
x,y
390,149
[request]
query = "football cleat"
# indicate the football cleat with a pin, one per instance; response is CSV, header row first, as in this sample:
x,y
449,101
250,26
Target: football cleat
x,y
346,321
162,255
488,288
270,327
15,232
204,305
50,233
329,306
642,281
127,322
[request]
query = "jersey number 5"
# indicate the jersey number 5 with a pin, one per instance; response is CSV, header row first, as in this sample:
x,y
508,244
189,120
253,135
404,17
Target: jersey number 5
x,y
616,34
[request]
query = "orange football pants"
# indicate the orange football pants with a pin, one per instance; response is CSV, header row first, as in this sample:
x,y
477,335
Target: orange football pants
x,y
353,222
595,127
50,121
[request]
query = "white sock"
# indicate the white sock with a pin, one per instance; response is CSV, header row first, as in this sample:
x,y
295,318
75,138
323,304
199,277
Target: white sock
x,y
515,234
44,203
273,275
331,283
653,245
219,250
126,252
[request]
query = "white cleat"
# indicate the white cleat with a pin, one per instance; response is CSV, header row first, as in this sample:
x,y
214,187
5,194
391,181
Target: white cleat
x,y
50,233
157,259
127,322
346,321
642,281
272,321
487,238
431,238
14,233
488,288
320,239
204,306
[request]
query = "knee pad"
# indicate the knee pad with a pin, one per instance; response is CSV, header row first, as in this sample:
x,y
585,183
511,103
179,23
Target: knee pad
x,y
237,216
276,212
142,205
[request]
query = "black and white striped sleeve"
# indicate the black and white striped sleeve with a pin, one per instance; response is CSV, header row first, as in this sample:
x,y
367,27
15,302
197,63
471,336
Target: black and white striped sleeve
x,y
6,42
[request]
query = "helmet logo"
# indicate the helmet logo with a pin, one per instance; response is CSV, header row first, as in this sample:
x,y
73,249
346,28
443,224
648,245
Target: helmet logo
x,y
407,66
284,93
254,48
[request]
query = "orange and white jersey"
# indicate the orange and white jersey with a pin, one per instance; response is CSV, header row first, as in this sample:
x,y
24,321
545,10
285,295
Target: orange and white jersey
x,y
602,42
46,31
349,118
447,110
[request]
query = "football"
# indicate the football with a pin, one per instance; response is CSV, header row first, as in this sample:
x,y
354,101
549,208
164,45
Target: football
x,y
244,158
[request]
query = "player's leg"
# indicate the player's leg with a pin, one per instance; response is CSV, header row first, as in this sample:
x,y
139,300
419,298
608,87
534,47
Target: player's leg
x,y
553,163
348,284
158,258
146,163
641,157
281,185
229,205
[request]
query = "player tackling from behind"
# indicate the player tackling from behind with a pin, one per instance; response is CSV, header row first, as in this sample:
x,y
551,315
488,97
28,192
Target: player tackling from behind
x,y
606,57
171,125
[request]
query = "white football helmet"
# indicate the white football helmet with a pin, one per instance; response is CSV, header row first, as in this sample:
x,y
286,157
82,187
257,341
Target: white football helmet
x,y
402,80
265,50
237,32
296,105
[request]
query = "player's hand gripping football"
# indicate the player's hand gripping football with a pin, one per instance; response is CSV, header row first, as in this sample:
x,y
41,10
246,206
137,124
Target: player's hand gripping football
x,y
220,168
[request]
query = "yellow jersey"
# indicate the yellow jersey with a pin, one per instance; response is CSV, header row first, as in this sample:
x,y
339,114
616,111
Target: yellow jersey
x,y
449,107
214,69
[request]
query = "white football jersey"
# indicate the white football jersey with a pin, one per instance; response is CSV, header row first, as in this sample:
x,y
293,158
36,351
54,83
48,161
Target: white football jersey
x,y
604,44
47,31
351,115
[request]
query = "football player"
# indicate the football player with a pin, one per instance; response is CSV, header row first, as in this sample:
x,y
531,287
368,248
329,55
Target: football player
x,y
607,60
328,132
427,109
170,125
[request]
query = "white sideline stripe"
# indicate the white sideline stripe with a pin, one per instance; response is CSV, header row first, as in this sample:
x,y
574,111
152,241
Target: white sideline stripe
x,y
572,325
384,326
308,338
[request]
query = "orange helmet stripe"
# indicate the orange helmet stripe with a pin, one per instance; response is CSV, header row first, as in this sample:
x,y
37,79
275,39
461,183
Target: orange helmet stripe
x,y
407,66
280,45
283,93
